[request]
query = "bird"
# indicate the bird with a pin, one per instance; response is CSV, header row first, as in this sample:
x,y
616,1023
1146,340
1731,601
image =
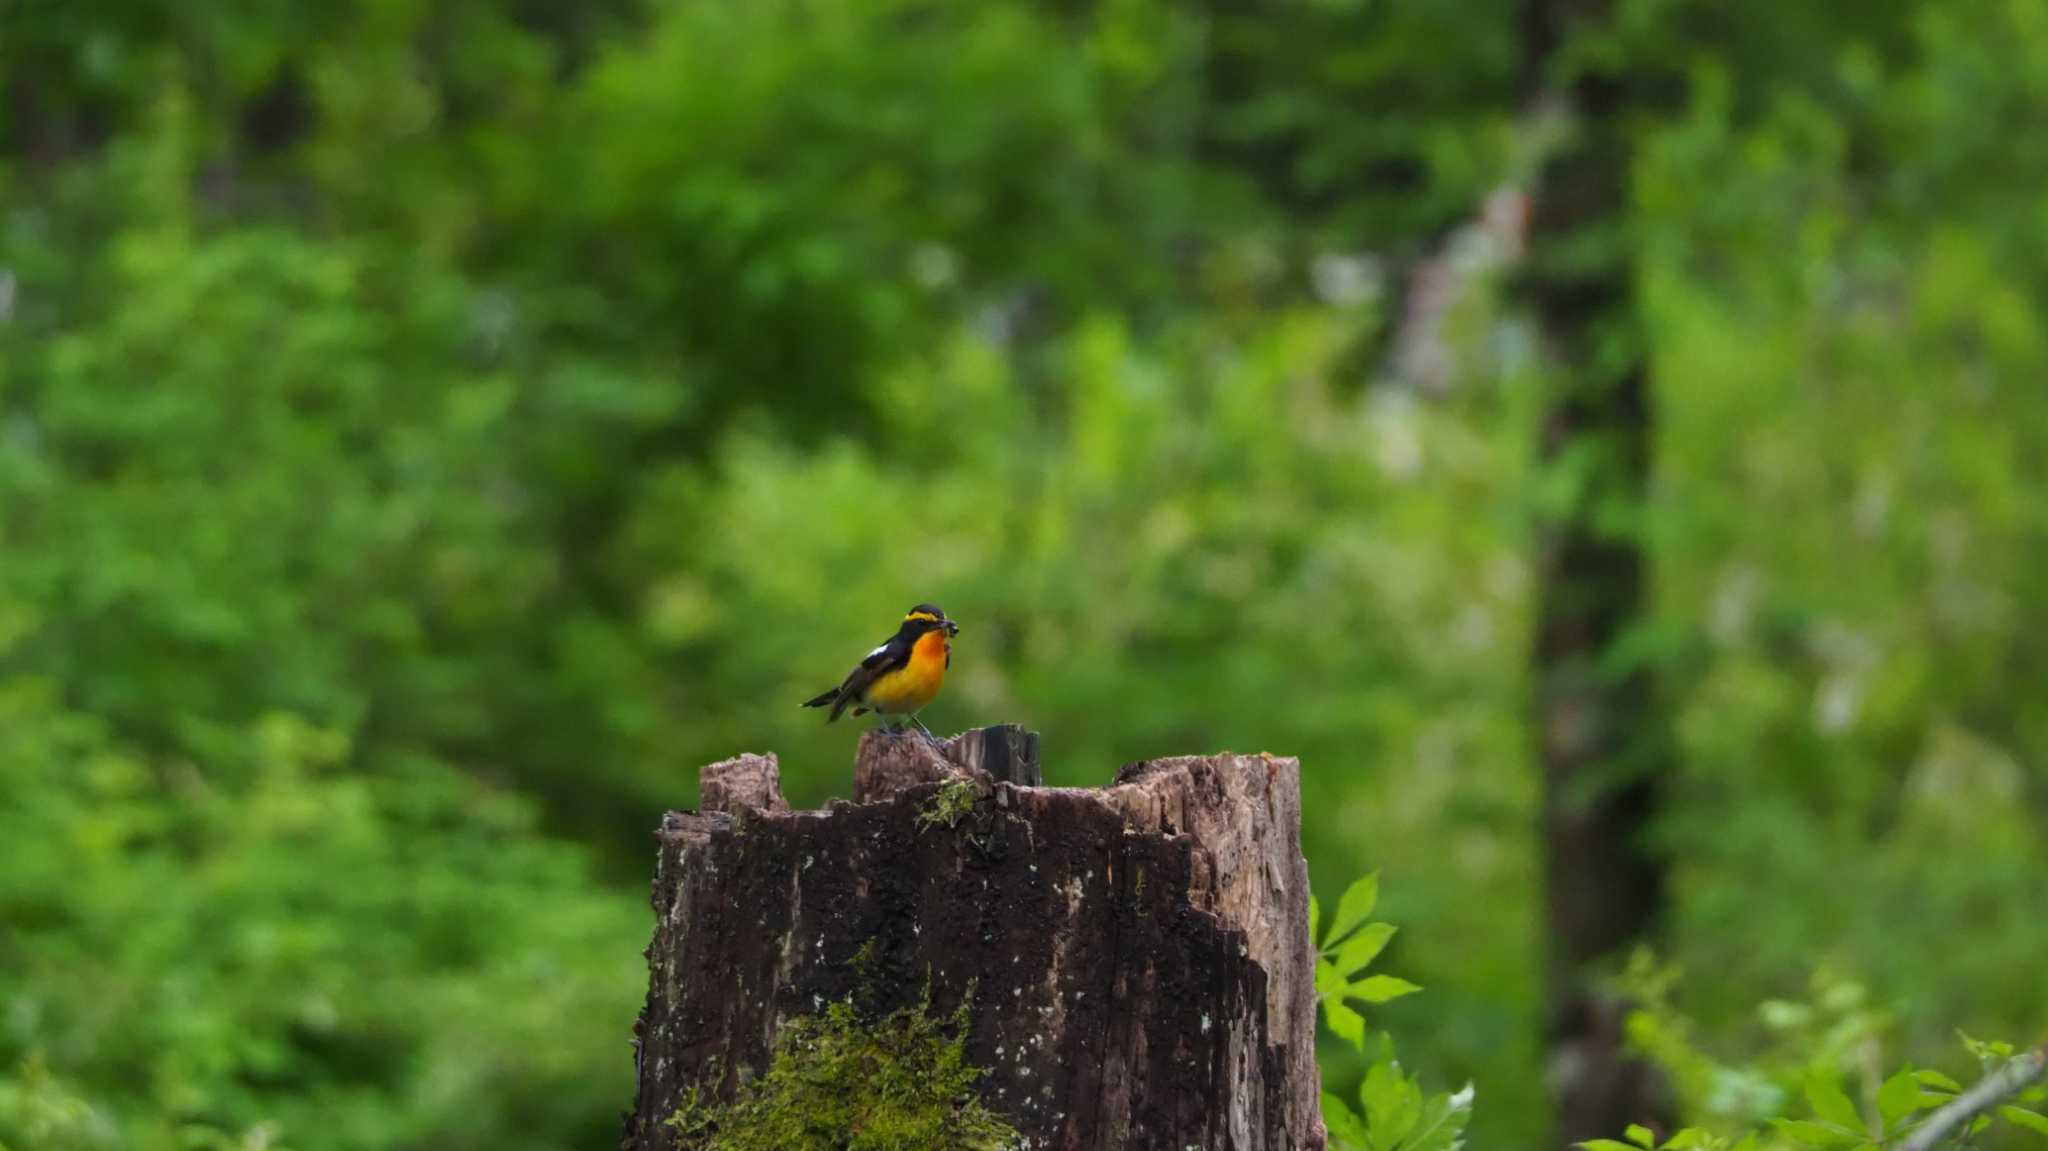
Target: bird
x,y
901,675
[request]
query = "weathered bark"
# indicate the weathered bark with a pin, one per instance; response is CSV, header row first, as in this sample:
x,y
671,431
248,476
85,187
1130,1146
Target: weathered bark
x,y
744,781
1136,958
1601,731
1005,753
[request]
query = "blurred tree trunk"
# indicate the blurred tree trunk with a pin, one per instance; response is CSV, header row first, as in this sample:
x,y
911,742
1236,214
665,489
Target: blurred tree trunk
x,y
1600,729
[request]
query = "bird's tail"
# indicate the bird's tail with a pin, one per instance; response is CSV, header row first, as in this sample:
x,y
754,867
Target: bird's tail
x,y
839,699
834,698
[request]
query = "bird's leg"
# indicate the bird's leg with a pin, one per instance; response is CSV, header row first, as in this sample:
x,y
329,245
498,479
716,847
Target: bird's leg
x,y
921,727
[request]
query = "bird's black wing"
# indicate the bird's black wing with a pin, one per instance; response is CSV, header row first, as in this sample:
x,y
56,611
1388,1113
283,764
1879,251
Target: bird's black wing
x,y
893,653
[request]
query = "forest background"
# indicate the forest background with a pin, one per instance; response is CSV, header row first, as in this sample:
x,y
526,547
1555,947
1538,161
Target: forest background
x,y
1605,441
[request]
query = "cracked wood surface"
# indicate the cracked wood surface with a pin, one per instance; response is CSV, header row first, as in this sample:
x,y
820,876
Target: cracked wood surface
x,y
1137,955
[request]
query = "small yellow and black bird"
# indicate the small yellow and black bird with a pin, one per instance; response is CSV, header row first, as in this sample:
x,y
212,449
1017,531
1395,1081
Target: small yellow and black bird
x,y
902,675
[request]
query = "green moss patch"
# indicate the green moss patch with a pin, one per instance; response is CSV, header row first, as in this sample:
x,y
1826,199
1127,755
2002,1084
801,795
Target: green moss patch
x,y
839,1082
953,802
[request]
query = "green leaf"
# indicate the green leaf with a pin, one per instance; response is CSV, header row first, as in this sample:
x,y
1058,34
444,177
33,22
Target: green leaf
x,y
1641,1136
1380,989
1347,1130
1354,908
1810,1134
1688,1139
1832,1104
1329,984
1355,953
1393,1104
1443,1120
1937,1080
1345,1022
1606,1145
1985,1050
2031,1120
1899,1097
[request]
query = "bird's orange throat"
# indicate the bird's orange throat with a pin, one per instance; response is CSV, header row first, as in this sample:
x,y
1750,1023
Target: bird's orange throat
x,y
910,687
931,646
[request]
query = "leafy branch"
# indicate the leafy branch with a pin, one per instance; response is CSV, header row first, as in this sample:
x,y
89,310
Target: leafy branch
x,y
1915,1110
1918,1110
1968,1108
1394,1113
1345,953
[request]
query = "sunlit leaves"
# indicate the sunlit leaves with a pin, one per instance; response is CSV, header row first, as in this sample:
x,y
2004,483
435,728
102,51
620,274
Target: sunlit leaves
x,y
1393,1103
1904,1101
1394,1114
1935,1080
1832,1104
1815,1133
1355,953
1344,955
2023,1117
1641,1138
1900,1096
1353,907
1346,1128
1987,1051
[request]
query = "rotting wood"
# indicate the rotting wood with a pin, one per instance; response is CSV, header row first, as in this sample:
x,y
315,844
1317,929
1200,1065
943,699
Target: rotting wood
x,y
1137,955
744,781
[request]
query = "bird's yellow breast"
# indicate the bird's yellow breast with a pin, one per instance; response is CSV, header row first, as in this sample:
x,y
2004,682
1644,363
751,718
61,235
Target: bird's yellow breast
x,y
910,687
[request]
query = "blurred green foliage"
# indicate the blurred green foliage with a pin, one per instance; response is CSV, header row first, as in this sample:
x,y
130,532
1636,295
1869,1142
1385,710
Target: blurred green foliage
x,y
1812,1042
428,431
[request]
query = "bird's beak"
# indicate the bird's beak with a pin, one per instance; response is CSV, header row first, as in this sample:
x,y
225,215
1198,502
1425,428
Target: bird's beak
x,y
952,628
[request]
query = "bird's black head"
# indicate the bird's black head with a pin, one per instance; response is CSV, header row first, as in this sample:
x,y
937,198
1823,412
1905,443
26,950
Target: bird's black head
x,y
927,617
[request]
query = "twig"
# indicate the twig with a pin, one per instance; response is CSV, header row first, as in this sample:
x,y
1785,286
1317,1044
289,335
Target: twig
x,y
1989,1092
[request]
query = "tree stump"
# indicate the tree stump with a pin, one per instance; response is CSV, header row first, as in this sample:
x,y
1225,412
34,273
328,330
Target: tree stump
x,y
1134,960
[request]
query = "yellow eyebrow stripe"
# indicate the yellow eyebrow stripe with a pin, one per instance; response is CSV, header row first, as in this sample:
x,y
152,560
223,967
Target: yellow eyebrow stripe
x,y
922,615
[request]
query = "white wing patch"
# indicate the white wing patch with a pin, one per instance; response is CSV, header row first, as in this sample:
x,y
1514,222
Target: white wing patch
x,y
879,650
